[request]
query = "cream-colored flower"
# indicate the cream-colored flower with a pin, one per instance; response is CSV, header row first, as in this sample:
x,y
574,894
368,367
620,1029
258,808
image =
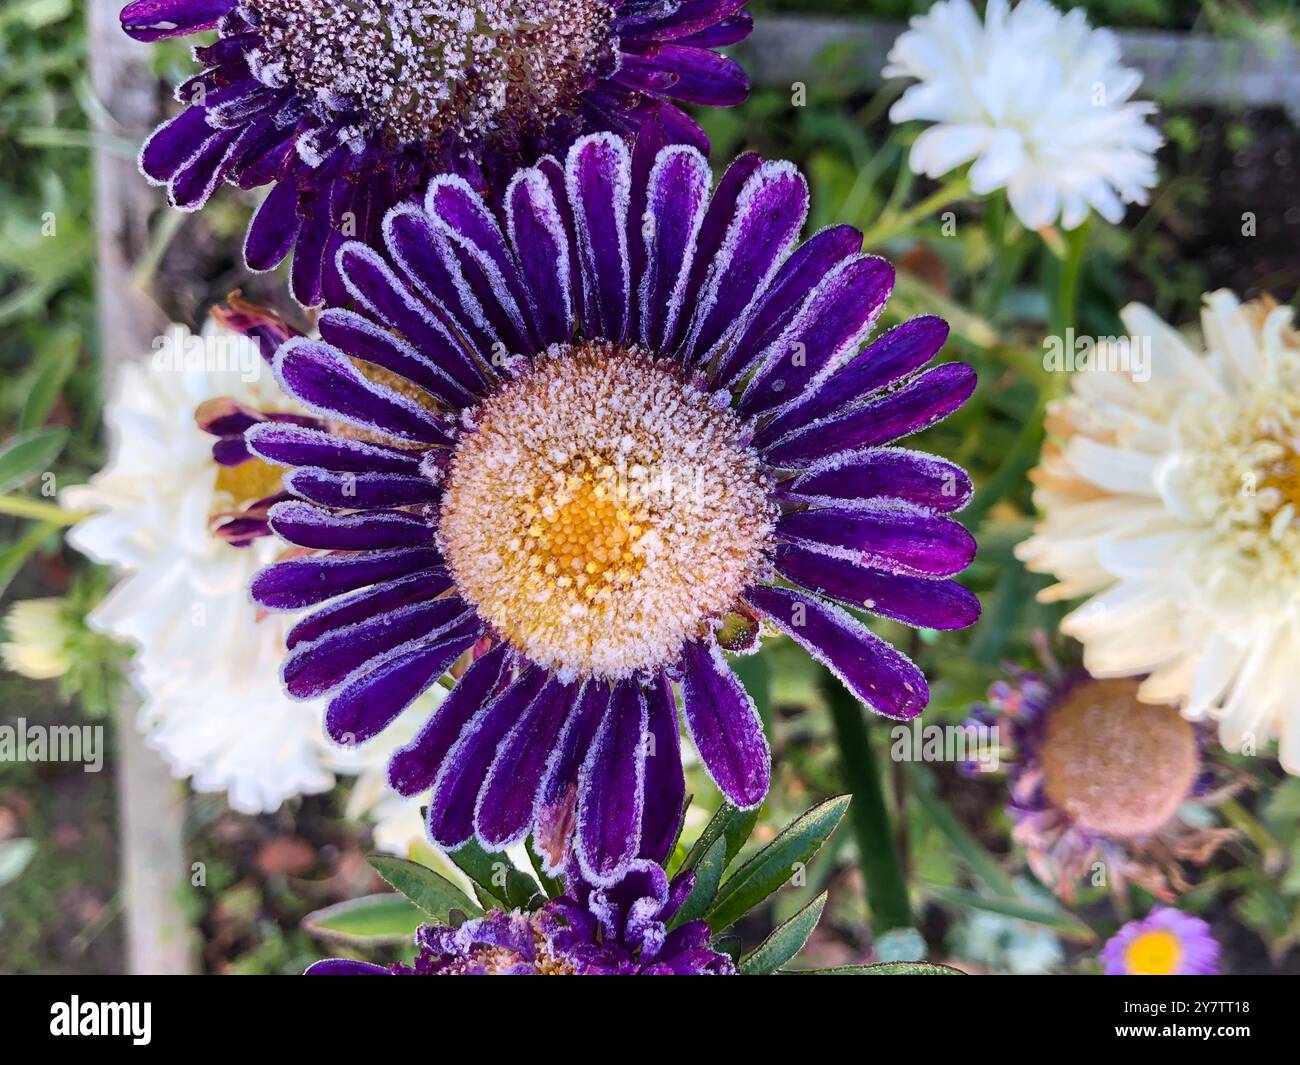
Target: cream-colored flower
x,y
1171,501
207,659
37,645
1037,100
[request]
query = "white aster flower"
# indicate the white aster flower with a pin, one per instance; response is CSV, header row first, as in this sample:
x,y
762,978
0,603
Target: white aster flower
x,y
1172,502
207,659
1036,99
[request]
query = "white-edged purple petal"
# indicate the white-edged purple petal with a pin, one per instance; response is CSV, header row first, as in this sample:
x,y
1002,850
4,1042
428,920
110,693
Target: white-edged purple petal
x,y
327,383
611,788
665,782
882,678
927,603
504,811
463,770
598,174
414,768
369,703
302,582
853,477
886,534
724,725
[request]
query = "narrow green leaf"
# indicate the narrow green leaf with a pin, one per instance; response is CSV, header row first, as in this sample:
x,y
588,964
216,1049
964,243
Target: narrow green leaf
x,y
434,894
551,885
56,367
785,941
888,968
708,875
1065,924
738,829
29,454
13,556
372,919
980,862
773,866
711,834
496,876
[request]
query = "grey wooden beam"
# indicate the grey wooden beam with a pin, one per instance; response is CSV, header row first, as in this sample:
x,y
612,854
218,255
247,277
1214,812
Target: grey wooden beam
x,y
151,804
1178,68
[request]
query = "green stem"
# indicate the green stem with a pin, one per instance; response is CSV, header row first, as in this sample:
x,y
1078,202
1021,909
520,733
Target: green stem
x,y
877,850
1067,302
23,507
891,225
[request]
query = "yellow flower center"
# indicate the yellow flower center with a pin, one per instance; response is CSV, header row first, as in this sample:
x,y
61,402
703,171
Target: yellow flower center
x,y
1154,953
600,511
1117,766
251,480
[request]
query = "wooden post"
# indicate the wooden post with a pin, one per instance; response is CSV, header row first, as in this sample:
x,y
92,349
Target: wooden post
x,y
151,804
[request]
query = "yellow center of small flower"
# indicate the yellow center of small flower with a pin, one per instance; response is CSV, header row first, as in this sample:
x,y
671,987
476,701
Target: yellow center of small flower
x,y
601,511
1114,765
1154,953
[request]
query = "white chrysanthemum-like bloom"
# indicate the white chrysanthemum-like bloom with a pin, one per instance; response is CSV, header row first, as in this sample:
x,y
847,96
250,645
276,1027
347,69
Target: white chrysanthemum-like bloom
x,y
1169,494
207,659
1036,99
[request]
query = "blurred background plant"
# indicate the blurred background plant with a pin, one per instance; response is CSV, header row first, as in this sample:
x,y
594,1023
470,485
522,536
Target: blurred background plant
x,y
1001,287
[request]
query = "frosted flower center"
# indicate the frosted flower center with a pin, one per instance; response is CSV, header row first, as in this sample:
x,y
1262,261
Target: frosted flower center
x,y
1117,766
420,69
601,511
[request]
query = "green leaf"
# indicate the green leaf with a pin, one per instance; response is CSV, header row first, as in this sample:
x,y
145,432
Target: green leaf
x,y
56,367
434,894
372,919
708,875
29,454
785,941
552,886
13,556
495,875
773,866
888,968
1065,924
980,862
728,823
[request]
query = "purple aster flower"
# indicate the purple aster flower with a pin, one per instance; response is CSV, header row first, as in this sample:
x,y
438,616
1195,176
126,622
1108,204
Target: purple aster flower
x,y
1166,942
349,108
1098,776
619,930
574,442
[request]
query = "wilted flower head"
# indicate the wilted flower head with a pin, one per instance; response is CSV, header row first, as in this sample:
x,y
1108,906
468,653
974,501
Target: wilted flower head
x,y
1036,99
587,441
619,930
1166,942
1099,777
1171,500
349,108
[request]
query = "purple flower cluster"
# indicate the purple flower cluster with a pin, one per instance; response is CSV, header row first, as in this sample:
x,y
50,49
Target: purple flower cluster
x,y
348,109
641,314
619,930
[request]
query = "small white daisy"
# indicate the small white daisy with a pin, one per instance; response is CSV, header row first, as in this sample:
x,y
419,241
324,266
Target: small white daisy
x,y
1171,500
1036,99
